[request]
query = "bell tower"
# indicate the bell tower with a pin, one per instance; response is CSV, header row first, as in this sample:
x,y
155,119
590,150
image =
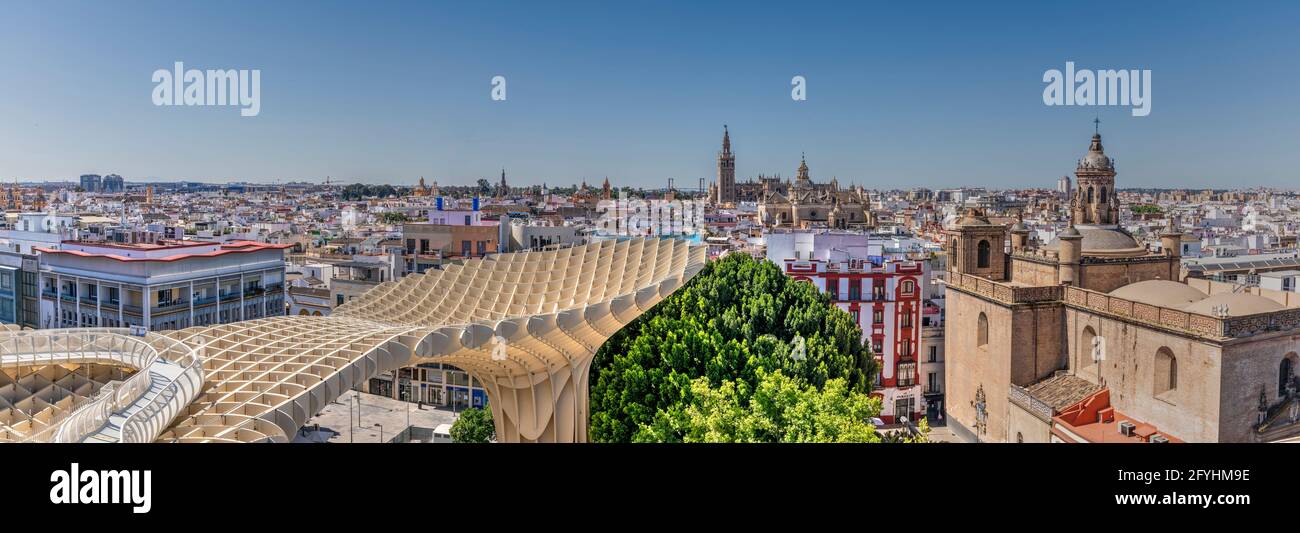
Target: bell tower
x,y
726,171
1094,201
977,246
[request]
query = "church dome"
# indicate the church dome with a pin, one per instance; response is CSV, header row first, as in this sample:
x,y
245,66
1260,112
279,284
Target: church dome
x,y
1104,241
1238,304
1160,293
1096,158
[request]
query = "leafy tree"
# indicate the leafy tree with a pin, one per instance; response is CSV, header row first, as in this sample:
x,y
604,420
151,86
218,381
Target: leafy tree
x,y
691,368
779,410
474,425
484,188
393,217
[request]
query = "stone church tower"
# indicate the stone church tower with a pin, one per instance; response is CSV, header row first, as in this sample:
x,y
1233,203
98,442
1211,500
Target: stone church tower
x,y
1094,201
977,246
726,191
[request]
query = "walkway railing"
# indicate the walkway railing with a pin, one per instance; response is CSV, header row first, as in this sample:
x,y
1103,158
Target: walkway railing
x,y
99,345
146,424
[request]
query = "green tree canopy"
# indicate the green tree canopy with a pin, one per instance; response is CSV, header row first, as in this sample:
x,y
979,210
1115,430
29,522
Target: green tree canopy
x,y
716,362
474,425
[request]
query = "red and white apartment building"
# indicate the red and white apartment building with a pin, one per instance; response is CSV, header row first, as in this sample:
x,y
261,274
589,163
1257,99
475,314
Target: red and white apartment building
x,y
886,292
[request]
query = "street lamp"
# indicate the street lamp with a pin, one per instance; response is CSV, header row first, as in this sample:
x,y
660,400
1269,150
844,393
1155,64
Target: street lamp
x,y
381,432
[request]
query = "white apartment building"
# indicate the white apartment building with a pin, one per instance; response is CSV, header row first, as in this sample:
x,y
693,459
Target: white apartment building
x,y
164,285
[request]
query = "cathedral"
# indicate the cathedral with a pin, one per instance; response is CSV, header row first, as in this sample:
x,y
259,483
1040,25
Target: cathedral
x,y
802,204
1094,338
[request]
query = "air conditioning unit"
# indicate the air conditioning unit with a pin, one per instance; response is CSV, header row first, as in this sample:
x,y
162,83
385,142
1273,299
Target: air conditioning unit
x,y
1159,439
1126,428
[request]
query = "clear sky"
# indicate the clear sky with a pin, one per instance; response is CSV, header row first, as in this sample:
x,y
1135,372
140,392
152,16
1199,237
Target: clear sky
x,y
900,94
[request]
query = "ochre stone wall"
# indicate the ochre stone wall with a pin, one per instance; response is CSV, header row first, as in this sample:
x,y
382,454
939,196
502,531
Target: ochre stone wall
x,y
1190,412
1106,277
1248,368
1032,273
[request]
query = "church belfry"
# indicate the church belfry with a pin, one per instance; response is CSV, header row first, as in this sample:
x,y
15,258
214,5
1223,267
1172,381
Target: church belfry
x,y
977,246
726,192
1094,200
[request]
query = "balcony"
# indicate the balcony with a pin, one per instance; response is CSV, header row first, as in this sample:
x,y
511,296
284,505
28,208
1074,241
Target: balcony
x,y
227,296
90,300
204,300
172,304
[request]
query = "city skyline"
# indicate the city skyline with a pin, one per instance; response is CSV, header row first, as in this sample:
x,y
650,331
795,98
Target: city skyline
x,y
391,94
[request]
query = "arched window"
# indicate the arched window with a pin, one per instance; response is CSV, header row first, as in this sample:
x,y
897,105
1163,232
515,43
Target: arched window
x,y
1166,372
1103,195
1285,374
1089,194
982,331
908,287
983,260
1088,352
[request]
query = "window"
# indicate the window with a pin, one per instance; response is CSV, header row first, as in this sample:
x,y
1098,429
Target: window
x,y
932,382
1286,374
878,291
984,250
909,286
1103,195
905,348
878,317
982,331
465,248
857,316
482,247
467,220
934,354
1166,372
339,299
877,347
833,288
855,289
906,375
906,320
1091,348
903,407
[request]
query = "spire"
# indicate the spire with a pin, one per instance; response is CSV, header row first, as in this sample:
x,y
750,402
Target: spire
x,y
726,140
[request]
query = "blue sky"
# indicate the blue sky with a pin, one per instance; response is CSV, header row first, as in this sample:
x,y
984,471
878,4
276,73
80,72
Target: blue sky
x,y
939,95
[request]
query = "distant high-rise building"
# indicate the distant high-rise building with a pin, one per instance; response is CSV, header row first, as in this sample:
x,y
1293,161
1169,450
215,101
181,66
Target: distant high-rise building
x,y
113,183
726,192
1063,186
90,182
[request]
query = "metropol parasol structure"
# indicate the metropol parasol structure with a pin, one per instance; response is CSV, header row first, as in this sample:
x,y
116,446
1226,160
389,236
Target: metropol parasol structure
x,y
526,325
